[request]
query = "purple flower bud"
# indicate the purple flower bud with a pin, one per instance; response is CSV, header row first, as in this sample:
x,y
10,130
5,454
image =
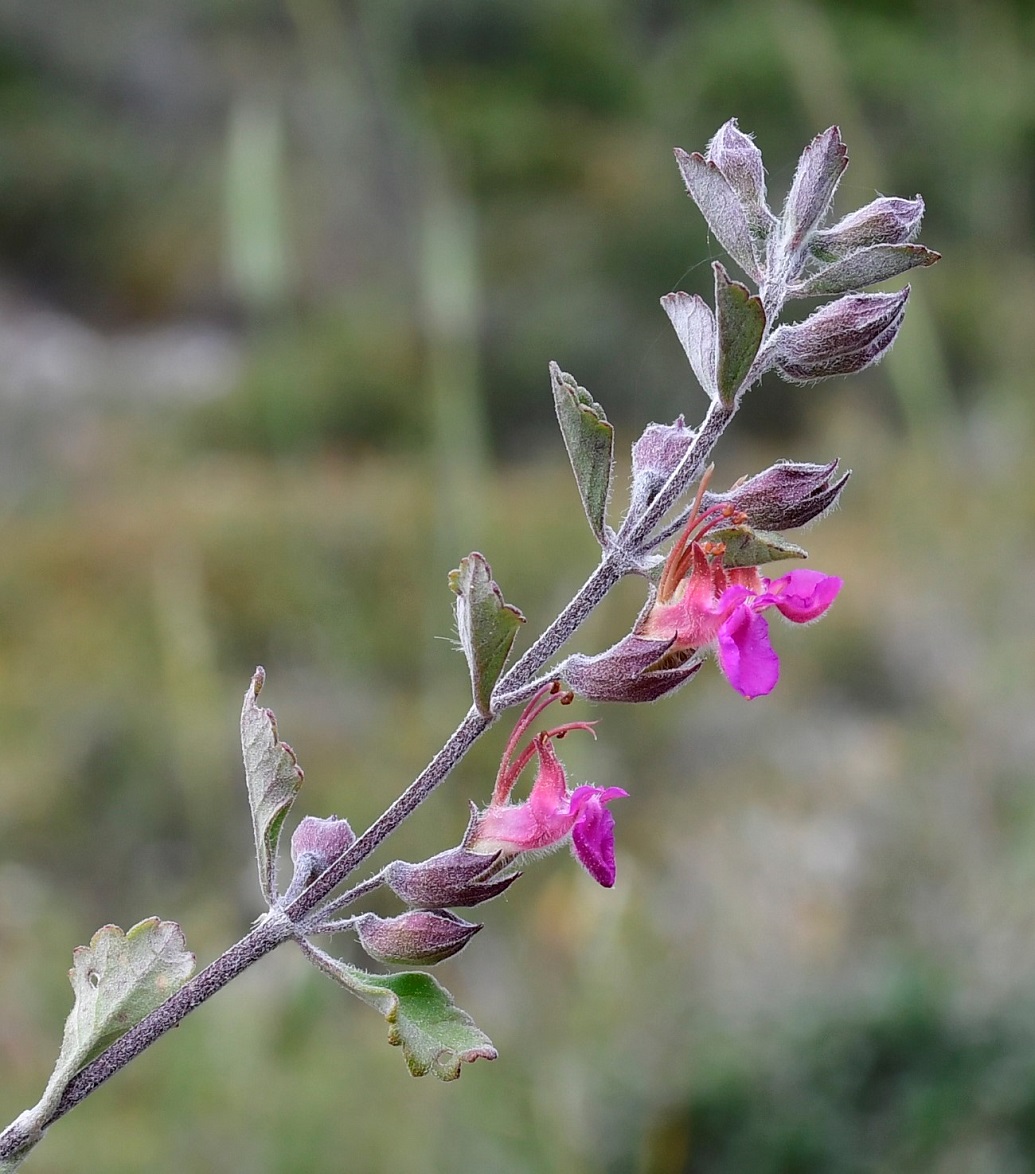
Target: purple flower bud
x,y
323,840
656,456
838,339
740,161
456,877
888,220
785,495
819,169
419,937
628,671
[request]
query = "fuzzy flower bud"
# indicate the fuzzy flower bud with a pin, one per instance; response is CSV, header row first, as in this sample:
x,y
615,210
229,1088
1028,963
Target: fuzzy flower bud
x,y
323,839
416,938
786,495
889,220
635,669
316,843
840,338
655,457
740,161
456,877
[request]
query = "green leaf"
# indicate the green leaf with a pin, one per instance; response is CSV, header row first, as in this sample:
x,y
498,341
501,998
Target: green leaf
x,y
589,439
273,776
740,323
117,979
753,548
486,623
864,267
434,1034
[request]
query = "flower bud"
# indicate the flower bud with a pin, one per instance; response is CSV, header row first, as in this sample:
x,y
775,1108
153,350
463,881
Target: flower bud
x,y
840,338
786,495
740,161
627,672
456,877
655,457
418,937
322,839
888,220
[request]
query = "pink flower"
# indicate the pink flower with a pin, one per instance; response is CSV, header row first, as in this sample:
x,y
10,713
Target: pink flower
x,y
551,814
703,605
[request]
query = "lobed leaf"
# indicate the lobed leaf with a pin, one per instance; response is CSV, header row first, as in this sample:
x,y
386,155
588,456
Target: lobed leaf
x,y
589,439
486,623
273,777
117,980
435,1035
740,323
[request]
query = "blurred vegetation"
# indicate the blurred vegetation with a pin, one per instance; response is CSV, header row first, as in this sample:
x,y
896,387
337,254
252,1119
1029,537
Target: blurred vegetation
x,y
820,955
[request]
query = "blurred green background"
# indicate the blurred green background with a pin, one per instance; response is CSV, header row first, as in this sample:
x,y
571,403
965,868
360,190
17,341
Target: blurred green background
x,y
278,288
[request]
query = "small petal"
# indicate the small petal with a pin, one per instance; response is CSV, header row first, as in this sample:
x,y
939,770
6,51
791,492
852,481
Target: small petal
x,y
592,836
745,654
801,596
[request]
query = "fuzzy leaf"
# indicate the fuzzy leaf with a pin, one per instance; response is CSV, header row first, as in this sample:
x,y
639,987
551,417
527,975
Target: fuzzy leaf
x,y
753,548
589,439
434,1034
720,206
486,623
865,267
273,777
694,324
741,324
117,980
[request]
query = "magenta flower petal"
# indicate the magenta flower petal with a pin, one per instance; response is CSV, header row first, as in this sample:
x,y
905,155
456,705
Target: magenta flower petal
x,y
802,595
592,836
745,654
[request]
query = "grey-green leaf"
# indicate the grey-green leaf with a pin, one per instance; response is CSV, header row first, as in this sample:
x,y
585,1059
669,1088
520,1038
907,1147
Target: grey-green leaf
x,y
117,980
753,548
589,439
864,267
435,1035
273,776
740,323
486,623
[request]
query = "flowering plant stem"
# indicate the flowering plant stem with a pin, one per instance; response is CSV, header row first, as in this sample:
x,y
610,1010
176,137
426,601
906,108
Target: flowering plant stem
x,y
513,688
710,598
